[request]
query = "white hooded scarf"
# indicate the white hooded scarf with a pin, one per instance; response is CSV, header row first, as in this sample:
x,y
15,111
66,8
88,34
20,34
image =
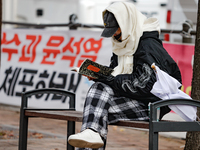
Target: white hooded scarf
x,y
132,23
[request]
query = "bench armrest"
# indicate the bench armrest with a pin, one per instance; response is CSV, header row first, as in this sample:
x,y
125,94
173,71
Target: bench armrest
x,y
25,95
154,106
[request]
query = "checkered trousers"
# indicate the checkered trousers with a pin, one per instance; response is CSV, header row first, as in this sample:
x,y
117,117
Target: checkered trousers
x,y
103,107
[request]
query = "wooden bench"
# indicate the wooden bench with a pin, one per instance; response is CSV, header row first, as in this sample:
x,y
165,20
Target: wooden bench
x,y
72,116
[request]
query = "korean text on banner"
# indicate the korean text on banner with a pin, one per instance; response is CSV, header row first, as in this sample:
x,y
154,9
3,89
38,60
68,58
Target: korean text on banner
x,y
33,59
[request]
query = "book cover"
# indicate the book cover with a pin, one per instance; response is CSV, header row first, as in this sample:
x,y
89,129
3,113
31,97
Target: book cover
x,y
89,67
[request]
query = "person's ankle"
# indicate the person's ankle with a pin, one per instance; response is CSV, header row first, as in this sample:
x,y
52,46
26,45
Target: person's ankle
x,y
93,130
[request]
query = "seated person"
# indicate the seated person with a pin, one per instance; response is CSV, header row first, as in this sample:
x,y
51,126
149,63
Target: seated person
x,y
125,94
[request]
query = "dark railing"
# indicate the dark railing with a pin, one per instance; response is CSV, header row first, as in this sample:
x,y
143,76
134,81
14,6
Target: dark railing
x,y
75,25
186,31
78,25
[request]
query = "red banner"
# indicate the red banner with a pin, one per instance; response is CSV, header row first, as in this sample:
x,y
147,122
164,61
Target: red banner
x,y
183,55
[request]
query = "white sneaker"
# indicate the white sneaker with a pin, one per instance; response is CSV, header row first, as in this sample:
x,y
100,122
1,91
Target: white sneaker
x,y
86,138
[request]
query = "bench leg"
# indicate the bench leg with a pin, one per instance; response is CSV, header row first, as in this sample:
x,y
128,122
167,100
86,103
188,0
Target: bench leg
x,y
153,140
70,131
23,130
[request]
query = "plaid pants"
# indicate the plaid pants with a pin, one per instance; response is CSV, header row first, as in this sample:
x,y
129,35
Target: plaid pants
x,y
103,107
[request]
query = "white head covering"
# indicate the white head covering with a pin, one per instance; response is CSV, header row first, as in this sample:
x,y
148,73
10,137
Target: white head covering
x,y
132,24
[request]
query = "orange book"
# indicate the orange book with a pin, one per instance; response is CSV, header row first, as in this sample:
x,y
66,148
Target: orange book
x,y
89,67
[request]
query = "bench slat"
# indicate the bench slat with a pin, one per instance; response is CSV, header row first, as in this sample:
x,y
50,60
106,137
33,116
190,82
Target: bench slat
x,y
77,117
134,124
176,126
61,115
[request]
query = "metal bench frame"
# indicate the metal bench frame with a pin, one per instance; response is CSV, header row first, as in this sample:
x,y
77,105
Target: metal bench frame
x,y
154,126
23,129
169,126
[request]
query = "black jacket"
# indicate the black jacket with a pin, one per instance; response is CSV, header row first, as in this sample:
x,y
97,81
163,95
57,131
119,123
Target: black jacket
x,y
139,84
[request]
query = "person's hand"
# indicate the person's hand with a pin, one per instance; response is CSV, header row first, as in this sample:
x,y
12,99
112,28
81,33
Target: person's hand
x,y
89,78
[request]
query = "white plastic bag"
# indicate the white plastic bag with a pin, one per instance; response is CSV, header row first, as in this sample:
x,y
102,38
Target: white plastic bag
x,y
167,87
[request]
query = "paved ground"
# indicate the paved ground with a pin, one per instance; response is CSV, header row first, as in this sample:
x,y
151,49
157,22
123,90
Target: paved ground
x,y
48,134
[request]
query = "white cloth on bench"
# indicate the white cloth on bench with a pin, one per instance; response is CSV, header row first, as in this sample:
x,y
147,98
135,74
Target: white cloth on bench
x,y
167,87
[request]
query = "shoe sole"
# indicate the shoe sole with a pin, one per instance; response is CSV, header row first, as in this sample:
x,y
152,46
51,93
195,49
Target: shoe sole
x,y
84,144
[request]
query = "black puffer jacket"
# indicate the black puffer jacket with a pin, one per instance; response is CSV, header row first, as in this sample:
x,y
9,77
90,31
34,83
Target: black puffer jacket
x,y
139,84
